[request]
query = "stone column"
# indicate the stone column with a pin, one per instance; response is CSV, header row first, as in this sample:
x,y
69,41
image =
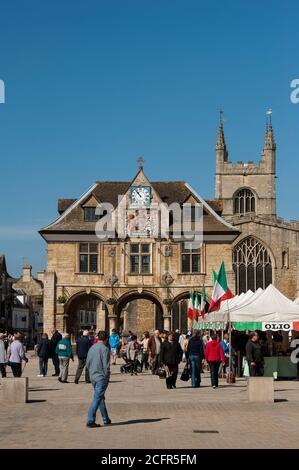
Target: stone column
x,y
49,308
112,317
100,317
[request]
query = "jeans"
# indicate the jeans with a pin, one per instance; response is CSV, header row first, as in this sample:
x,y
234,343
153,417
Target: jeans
x,y
144,360
195,362
80,368
155,363
16,368
43,366
98,402
55,361
214,369
64,368
2,370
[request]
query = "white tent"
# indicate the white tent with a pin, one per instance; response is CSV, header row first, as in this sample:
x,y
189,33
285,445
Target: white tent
x,y
268,306
296,301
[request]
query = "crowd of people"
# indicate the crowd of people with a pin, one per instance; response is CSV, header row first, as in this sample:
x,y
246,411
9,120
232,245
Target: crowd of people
x,y
160,352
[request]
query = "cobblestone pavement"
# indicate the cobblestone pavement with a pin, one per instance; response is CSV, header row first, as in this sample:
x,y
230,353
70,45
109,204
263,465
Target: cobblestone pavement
x,y
147,415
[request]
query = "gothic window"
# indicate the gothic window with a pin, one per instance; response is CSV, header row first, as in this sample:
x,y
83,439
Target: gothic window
x,y
252,265
244,201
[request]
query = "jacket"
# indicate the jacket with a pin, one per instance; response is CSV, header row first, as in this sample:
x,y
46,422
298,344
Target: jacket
x,y
56,337
64,348
152,345
16,352
114,340
83,346
195,347
132,350
171,353
2,352
225,347
254,352
44,349
98,362
214,351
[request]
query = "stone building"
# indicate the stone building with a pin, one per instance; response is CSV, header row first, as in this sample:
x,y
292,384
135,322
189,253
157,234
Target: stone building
x,y
140,279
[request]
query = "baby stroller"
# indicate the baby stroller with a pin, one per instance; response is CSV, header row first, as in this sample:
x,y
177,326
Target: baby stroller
x,y
126,368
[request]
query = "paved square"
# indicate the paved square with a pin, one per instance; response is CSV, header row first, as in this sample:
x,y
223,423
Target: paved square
x,y
147,415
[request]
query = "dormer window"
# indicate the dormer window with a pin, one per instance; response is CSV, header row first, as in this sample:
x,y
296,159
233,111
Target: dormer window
x,y
244,202
90,214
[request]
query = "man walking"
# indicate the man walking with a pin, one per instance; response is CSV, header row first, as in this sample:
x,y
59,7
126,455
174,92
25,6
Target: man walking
x,y
56,337
154,346
2,356
254,355
98,364
83,346
195,355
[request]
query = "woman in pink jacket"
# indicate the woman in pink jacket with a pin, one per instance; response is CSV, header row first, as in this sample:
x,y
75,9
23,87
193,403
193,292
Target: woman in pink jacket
x,y
214,356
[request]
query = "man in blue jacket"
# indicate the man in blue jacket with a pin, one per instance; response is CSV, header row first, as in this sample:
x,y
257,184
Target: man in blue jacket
x,y
98,364
114,341
83,345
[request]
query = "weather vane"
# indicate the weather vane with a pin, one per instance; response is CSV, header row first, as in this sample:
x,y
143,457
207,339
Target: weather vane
x,y
269,116
222,120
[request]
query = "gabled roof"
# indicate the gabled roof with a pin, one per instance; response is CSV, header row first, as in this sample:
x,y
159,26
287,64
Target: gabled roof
x,y
72,219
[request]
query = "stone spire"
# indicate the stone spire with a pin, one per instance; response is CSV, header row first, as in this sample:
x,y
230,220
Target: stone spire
x,y
269,143
221,145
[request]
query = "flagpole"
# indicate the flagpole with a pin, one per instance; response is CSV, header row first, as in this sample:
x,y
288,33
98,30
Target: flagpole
x,y
230,343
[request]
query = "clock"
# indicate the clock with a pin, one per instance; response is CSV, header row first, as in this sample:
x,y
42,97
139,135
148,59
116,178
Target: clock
x,y
141,196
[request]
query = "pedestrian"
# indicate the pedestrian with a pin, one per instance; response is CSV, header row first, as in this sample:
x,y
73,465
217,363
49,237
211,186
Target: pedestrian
x,y
171,356
84,343
176,335
195,356
214,356
144,346
226,348
182,339
43,352
132,353
56,337
154,346
2,356
64,353
16,354
254,355
98,364
114,342
130,336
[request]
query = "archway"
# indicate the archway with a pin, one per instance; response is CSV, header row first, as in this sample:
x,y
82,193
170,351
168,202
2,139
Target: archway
x,y
139,312
86,312
179,310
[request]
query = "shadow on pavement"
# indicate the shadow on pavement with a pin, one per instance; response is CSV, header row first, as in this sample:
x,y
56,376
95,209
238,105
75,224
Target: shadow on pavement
x,y
137,421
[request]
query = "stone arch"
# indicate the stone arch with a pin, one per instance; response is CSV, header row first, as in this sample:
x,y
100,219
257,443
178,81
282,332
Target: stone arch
x,y
179,306
253,264
138,321
85,309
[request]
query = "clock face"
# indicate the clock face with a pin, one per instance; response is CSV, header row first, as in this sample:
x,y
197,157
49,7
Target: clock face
x,y
141,195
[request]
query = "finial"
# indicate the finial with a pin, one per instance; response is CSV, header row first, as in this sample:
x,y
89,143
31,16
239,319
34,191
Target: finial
x,y
269,117
140,162
221,117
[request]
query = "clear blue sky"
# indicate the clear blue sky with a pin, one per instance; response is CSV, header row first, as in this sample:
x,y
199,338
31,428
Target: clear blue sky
x,y
92,84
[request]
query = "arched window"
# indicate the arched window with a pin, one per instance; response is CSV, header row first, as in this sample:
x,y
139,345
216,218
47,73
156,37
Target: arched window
x,y
244,201
252,265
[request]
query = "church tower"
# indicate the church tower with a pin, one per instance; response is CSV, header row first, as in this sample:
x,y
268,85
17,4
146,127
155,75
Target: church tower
x,y
247,189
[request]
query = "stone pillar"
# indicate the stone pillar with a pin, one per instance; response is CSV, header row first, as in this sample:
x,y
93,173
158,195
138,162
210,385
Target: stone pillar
x,y
49,301
167,323
100,317
112,317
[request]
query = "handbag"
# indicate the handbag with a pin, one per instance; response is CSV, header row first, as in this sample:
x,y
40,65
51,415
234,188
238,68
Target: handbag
x,y
186,373
161,372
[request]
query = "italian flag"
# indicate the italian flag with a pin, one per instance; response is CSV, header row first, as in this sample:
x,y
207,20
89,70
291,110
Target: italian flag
x,y
196,307
221,291
190,306
203,302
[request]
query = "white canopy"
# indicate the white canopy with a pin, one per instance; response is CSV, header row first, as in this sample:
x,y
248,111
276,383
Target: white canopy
x,y
269,305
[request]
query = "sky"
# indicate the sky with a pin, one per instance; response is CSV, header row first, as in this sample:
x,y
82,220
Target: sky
x,y
90,85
